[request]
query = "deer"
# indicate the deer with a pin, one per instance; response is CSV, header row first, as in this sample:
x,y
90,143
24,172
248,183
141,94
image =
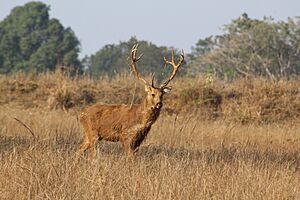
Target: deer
x,y
126,124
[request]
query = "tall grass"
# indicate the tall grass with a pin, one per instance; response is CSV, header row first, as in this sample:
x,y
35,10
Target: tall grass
x,y
183,158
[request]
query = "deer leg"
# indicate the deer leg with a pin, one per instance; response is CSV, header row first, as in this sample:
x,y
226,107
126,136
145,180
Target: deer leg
x,y
128,148
135,149
93,145
129,152
84,146
90,142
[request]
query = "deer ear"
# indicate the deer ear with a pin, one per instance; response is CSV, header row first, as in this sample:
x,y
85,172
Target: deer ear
x,y
147,88
167,89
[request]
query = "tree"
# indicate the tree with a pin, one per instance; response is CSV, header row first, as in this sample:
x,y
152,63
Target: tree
x,y
112,59
251,47
31,41
202,47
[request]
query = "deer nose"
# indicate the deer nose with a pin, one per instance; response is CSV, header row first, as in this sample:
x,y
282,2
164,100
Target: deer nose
x,y
158,105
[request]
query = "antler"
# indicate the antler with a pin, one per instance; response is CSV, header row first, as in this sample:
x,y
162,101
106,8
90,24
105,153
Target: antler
x,y
134,60
175,67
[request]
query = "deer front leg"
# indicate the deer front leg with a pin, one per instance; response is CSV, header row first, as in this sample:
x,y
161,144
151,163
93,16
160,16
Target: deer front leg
x,y
129,152
127,143
128,148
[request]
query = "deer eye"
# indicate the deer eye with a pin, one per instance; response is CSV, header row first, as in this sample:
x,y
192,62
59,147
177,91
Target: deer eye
x,y
153,95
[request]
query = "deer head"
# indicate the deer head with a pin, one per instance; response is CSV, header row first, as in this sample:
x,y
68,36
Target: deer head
x,y
154,99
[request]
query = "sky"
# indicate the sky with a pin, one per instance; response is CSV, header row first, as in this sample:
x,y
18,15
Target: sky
x,y
171,23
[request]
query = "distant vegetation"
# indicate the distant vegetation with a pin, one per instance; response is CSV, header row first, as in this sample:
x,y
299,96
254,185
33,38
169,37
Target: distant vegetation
x,y
250,47
112,59
31,41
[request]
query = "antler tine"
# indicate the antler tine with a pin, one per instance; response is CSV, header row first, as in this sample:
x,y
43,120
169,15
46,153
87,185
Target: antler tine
x,y
134,60
175,66
152,80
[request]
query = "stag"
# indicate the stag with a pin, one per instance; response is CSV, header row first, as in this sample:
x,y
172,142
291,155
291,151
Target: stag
x,y
126,124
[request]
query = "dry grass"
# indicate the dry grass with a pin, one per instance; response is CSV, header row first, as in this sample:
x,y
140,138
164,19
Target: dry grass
x,y
244,101
183,158
236,140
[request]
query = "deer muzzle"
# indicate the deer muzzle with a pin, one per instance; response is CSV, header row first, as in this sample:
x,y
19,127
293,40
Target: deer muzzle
x,y
158,105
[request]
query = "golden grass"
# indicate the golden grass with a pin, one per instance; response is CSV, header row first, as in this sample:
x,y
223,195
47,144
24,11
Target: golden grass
x,y
245,101
184,157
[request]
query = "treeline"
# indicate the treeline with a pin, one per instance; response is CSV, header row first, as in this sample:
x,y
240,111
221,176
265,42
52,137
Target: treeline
x,y
113,59
250,47
31,41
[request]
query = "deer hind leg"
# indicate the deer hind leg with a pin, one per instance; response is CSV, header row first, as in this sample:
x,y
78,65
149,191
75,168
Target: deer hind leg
x,y
93,142
84,146
89,143
91,137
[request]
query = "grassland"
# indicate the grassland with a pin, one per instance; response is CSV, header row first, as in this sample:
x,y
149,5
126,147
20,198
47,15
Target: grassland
x,y
236,153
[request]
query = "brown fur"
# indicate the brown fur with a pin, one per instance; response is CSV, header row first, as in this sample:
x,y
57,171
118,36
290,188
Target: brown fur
x,y
121,123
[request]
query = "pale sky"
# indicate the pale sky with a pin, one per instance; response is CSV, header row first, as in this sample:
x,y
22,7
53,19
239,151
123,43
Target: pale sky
x,y
164,22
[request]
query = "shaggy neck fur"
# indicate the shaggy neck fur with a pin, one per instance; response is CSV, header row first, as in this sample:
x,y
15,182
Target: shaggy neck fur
x,y
150,114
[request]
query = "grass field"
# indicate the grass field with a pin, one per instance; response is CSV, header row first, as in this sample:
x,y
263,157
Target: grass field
x,y
183,158
186,155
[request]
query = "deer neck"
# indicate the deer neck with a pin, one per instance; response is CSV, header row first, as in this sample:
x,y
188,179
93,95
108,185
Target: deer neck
x,y
149,115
